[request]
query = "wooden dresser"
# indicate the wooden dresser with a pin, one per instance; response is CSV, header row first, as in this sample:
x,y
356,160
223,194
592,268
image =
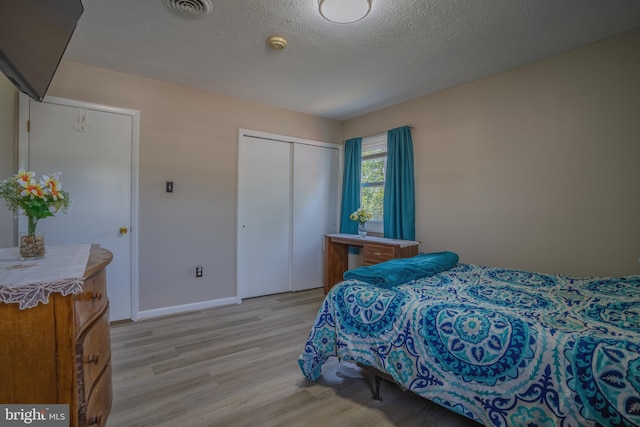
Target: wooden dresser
x,y
60,352
375,250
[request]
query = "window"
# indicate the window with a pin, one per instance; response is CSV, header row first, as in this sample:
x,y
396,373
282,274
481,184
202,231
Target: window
x,y
374,163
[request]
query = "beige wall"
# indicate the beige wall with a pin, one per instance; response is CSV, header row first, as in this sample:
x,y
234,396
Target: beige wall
x,y
536,168
190,137
8,160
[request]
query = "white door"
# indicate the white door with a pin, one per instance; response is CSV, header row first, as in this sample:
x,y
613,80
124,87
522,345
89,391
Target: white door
x,y
92,149
315,197
264,217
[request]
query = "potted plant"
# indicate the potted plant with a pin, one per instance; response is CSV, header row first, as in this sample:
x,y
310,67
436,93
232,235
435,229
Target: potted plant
x,y
362,217
37,199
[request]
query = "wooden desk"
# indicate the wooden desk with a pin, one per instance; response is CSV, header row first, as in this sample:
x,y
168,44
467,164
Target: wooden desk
x,y
375,249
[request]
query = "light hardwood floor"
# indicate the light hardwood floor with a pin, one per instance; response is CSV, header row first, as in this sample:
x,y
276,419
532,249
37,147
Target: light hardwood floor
x,y
237,366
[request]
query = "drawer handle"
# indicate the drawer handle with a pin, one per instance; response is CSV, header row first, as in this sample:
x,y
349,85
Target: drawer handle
x,y
94,358
96,296
95,420
378,253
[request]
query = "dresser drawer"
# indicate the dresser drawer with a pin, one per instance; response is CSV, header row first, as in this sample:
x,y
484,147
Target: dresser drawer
x,y
94,351
99,403
374,254
91,300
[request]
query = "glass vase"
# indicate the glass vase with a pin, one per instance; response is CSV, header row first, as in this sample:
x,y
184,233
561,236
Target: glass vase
x,y
362,229
32,245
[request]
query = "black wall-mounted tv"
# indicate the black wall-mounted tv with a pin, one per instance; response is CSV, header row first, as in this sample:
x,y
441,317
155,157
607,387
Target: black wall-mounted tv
x,y
33,37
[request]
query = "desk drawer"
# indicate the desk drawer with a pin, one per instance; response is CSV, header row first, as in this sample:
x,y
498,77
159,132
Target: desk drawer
x,y
374,254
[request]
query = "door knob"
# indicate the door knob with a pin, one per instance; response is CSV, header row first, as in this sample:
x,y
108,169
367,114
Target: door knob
x,y
124,230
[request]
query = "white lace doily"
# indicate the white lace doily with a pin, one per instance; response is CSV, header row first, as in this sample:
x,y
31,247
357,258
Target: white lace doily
x,y
30,282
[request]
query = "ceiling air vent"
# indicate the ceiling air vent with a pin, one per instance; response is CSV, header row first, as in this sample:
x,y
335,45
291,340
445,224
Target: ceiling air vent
x,y
189,8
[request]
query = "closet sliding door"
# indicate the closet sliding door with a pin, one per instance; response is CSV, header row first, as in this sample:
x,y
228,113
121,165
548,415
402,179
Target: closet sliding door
x,y
315,190
287,202
264,217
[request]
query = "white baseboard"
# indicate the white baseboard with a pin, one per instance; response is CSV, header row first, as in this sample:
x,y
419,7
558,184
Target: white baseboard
x,y
166,311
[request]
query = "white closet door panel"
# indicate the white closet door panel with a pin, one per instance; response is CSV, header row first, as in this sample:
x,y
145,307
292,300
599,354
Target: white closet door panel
x,y
315,190
264,217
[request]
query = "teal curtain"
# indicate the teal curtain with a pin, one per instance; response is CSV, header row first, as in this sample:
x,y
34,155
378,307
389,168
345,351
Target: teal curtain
x,y
351,185
399,191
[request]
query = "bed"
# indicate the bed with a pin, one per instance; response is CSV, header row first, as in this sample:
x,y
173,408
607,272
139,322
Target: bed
x,y
501,346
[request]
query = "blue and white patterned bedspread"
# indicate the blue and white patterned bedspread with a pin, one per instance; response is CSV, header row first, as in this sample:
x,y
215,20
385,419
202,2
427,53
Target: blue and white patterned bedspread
x,y
503,347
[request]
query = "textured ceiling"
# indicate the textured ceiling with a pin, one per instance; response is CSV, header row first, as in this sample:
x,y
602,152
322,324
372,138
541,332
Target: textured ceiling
x,y
402,50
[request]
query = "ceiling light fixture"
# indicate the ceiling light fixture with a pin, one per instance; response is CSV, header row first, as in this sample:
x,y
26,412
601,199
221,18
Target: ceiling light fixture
x,y
344,11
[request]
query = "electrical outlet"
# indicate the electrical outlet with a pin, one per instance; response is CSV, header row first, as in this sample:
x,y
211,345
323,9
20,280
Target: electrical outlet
x,y
198,271
169,186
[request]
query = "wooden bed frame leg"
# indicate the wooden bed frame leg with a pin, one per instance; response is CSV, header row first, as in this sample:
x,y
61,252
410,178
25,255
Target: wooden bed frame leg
x,y
376,395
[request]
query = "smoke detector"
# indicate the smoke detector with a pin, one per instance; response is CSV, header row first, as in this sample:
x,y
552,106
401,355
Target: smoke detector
x,y
277,42
189,8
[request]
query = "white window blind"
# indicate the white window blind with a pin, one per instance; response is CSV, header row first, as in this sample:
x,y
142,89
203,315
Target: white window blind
x,y
374,159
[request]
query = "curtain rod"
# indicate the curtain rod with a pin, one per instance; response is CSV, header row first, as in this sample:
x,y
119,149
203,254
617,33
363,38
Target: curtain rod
x,y
380,133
